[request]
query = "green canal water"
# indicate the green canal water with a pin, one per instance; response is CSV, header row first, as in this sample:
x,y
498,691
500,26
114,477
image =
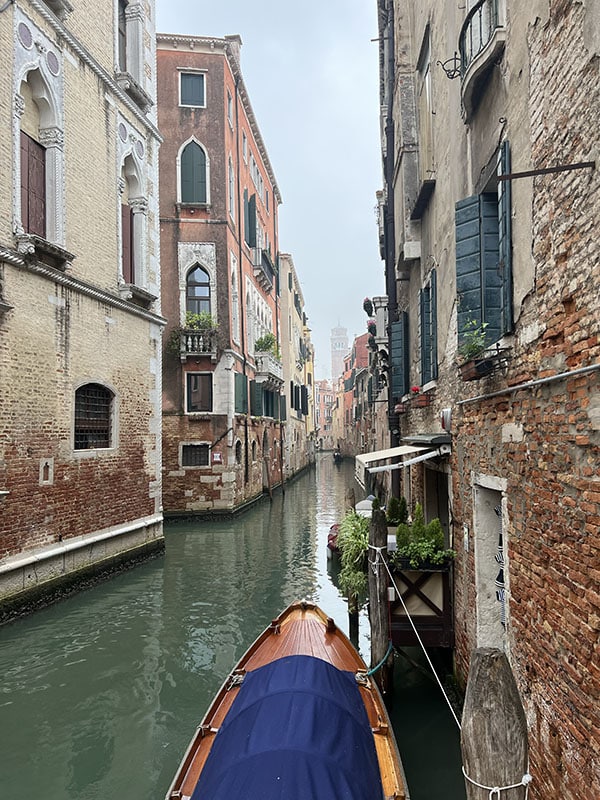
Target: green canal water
x,y
101,692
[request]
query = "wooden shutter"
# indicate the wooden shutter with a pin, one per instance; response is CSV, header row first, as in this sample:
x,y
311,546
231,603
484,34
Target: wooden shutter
x,y
256,399
127,243
425,303
505,239
282,408
491,279
246,217
241,393
33,186
434,338
251,237
468,262
399,356
193,174
304,399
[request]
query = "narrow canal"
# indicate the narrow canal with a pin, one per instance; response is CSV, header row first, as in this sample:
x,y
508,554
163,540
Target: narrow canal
x,y
100,693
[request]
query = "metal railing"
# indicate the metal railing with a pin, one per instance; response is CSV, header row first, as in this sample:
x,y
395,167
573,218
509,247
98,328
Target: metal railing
x,y
477,31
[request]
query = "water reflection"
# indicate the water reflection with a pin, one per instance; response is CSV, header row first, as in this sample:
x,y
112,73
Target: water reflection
x,y
101,693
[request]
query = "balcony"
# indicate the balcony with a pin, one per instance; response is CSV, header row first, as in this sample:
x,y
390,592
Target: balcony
x,y
269,371
481,43
197,343
264,269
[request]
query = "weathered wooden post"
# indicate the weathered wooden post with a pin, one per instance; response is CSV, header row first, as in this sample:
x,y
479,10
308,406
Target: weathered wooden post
x,y
494,729
378,601
349,502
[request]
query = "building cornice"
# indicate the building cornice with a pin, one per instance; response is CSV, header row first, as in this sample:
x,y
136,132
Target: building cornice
x,y
229,46
87,58
79,286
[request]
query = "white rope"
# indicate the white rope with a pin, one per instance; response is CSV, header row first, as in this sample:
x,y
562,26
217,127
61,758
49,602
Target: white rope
x,y
399,593
494,791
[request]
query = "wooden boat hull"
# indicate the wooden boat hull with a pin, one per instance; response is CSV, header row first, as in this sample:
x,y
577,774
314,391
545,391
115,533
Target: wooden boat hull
x,y
303,631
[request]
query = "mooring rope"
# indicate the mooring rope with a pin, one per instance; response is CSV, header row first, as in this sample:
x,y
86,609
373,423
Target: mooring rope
x,y
383,660
494,791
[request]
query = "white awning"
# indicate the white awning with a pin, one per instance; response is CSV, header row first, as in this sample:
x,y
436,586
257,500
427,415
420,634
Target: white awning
x,y
382,455
440,451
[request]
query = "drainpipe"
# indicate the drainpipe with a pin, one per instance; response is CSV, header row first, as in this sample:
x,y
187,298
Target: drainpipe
x,y
390,234
242,293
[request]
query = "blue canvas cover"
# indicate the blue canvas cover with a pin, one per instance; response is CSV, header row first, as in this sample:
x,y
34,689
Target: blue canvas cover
x,y
297,730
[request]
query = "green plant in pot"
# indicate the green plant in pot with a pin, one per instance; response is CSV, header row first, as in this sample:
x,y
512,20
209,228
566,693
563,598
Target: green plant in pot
x,y
353,543
473,340
420,543
396,511
203,321
267,344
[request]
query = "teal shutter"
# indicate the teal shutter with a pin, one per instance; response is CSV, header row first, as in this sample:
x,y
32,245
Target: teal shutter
x,y
193,174
246,218
256,399
491,279
468,262
251,235
434,338
505,239
282,408
425,303
241,393
399,356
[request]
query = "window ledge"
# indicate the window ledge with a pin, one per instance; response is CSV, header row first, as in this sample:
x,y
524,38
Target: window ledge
x,y
31,246
193,206
478,69
425,192
61,8
128,83
129,291
5,306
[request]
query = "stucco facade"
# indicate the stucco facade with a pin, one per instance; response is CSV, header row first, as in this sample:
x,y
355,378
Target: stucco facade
x,y
80,443
469,239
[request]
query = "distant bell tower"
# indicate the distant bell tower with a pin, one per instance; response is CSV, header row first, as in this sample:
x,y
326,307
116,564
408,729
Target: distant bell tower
x,y
339,350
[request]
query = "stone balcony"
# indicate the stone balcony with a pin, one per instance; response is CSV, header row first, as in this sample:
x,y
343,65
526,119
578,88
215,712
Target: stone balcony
x,y
269,371
481,43
198,343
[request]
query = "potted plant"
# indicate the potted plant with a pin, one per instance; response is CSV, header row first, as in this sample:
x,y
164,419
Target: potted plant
x,y
473,343
368,306
372,327
396,511
203,323
353,544
419,399
420,544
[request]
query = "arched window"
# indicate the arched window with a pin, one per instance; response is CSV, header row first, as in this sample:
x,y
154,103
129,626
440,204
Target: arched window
x,y
93,417
197,297
238,452
231,189
193,174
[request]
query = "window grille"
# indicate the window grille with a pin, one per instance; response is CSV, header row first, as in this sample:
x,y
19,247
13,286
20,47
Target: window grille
x,y
92,417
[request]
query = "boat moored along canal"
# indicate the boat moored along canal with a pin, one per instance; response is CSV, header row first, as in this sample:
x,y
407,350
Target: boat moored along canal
x,y
299,718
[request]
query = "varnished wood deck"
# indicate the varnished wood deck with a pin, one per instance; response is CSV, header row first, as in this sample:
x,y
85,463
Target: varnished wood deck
x,y
302,629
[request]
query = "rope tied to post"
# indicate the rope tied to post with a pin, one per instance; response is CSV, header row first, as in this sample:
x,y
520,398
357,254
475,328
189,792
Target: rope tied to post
x,y
494,791
382,662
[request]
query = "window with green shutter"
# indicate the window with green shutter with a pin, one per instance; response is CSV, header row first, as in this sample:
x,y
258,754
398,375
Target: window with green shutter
x,y
193,174
192,89
399,356
483,256
241,393
429,370
256,399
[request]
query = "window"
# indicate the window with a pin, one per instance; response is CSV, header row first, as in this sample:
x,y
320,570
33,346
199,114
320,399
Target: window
x,y
133,222
197,297
33,186
199,392
192,89
195,455
230,108
429,370
399,356
193,174
249,219
127,244
122,26
483,256
238,452
231,188
93,407
241,393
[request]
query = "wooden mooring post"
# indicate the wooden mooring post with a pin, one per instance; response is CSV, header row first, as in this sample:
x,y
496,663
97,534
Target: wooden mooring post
x,y
493,729
349,502
378,602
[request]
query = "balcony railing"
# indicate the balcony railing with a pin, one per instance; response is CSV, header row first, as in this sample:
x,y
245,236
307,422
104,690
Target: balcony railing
x,y
198,343
269,370
481,42
477,31
264,269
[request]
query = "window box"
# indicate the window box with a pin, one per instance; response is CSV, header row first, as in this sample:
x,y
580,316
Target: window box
x,y
420,400
476,368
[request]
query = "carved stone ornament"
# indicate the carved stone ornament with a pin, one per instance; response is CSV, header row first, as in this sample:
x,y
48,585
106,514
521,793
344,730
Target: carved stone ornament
x,y
51,137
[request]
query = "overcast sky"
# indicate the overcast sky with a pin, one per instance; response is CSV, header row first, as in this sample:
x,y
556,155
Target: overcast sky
x,y
311,71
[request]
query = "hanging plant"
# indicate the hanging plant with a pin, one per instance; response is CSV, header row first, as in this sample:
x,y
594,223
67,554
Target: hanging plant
x,y
368,306
372,327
